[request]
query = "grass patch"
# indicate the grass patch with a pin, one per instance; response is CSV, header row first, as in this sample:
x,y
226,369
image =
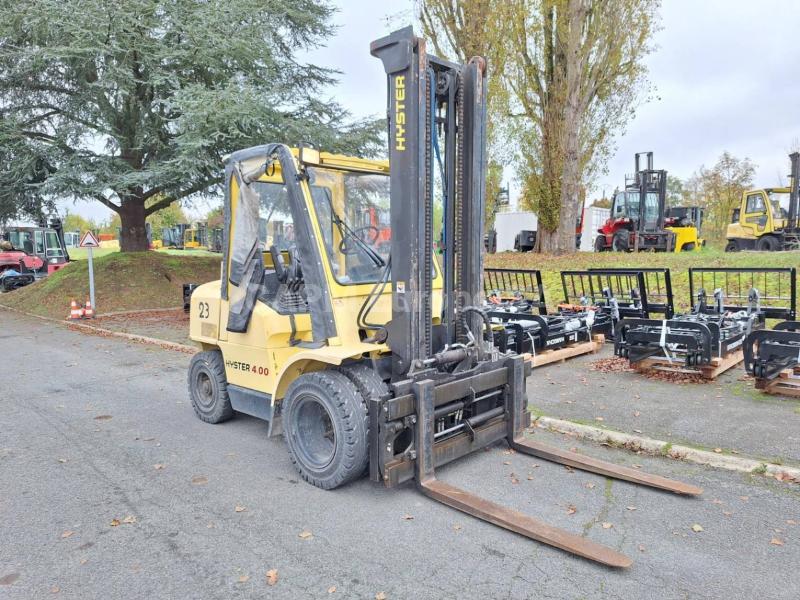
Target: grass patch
x,y
123,281
678,263
666,449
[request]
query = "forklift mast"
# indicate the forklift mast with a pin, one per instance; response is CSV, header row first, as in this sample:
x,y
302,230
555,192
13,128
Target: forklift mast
x,y
437,117
794,191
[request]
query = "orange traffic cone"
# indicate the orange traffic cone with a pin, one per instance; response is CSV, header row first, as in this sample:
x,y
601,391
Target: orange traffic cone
x,y
88,312
75,312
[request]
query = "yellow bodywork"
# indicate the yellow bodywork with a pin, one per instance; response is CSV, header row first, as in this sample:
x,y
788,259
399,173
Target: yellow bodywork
x,y
685,236
262,358
755,223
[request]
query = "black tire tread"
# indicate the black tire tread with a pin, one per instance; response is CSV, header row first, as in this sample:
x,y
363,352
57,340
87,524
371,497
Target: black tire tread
x,y
349,409
213,362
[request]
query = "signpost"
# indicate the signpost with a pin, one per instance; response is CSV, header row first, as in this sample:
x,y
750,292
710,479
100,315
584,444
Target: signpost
x,y
89,241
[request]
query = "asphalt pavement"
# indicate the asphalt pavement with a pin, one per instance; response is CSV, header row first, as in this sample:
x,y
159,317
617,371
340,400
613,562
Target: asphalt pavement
x,y
110,487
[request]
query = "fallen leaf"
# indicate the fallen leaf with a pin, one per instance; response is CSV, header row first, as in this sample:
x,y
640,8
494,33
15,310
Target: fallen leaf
x,y
697,528
408,517
715,501
199,480
599,419
791,522
114,522
589,486
456,527
569,469
306,534
636,413
514,479
571,510
332,589
727,513
129,519
718,450
103,417
607,525
505,462
530,477
534,466
238,508
641,548
55,589
158,466
66,534
380,596
631,507
776,542
637,431
83,561
244,578
62,460
744,498
272,576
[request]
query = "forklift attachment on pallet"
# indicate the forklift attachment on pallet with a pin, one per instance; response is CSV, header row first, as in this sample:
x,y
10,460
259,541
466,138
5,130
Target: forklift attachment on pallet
x,y
514,295
711,330
657,288
770,352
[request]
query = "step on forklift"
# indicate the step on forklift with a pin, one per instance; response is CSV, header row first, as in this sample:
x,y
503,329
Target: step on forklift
x,y
370,361
767,219
638,216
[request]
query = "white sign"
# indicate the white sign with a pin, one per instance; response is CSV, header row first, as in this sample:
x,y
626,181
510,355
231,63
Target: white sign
x,y
89,241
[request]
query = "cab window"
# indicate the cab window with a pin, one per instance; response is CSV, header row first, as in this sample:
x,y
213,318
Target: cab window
x,y
755,204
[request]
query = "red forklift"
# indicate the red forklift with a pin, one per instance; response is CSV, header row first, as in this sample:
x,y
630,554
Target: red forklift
x,y
637,220
44,242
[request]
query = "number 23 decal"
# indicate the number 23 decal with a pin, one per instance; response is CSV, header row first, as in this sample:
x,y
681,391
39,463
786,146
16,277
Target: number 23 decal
x,y
204,310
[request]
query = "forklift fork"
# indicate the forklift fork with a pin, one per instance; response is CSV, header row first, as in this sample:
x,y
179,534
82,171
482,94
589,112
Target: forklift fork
x,y
517,419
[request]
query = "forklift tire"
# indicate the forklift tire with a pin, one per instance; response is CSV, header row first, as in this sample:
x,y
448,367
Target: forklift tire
x,y
619,243
326,428
732,246
767,243
600,243
366,379
208,387
688,247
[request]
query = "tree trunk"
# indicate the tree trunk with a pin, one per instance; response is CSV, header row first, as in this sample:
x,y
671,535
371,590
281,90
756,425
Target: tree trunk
x,y
133,233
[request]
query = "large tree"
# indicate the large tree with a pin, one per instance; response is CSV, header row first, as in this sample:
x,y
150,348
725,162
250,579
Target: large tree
x,y
575,73
133,104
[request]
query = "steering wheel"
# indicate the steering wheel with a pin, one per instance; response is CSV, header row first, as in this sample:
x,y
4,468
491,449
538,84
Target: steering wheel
x,y
292,275
373,233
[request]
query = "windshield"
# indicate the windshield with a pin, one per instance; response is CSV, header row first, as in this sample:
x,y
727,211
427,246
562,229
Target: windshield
x,y
780,204
53,245
353,213
626,204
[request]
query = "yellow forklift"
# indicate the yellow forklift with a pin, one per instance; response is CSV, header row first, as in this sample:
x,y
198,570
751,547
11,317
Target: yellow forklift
x,y
367,356
767,219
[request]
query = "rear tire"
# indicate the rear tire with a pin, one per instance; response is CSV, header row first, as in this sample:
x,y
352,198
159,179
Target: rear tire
x,y
326,428
767,243
732,246
688,247
619,243
208,387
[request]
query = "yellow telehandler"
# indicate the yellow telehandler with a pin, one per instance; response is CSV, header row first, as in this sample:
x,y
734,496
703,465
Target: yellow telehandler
x,y
368,356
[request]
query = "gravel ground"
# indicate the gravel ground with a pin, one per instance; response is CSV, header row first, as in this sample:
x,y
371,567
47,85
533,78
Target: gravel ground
x,y
94,430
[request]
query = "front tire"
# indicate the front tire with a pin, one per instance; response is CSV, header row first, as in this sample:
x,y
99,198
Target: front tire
x,y
767,243
326,429
620,242
600,243
732,246
208,387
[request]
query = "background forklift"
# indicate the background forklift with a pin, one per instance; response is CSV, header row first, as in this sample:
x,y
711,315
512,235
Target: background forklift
x,y
767,219
44,241
638,219
364,360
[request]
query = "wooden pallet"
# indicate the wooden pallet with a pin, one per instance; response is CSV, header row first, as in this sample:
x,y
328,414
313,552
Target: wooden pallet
x,y
709,371
786,384
547,357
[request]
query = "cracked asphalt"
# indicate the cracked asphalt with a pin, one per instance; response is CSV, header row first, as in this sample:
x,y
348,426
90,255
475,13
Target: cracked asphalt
x,y
85,420
728,413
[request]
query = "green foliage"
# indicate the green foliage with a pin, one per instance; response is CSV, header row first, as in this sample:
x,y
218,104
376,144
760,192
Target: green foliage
x,y
145,97
73,222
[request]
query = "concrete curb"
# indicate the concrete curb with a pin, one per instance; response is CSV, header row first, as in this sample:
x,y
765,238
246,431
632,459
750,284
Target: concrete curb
x,y
142,339
661,448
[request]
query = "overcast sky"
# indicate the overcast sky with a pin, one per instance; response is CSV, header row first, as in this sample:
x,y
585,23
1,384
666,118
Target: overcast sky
x,y
726,76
